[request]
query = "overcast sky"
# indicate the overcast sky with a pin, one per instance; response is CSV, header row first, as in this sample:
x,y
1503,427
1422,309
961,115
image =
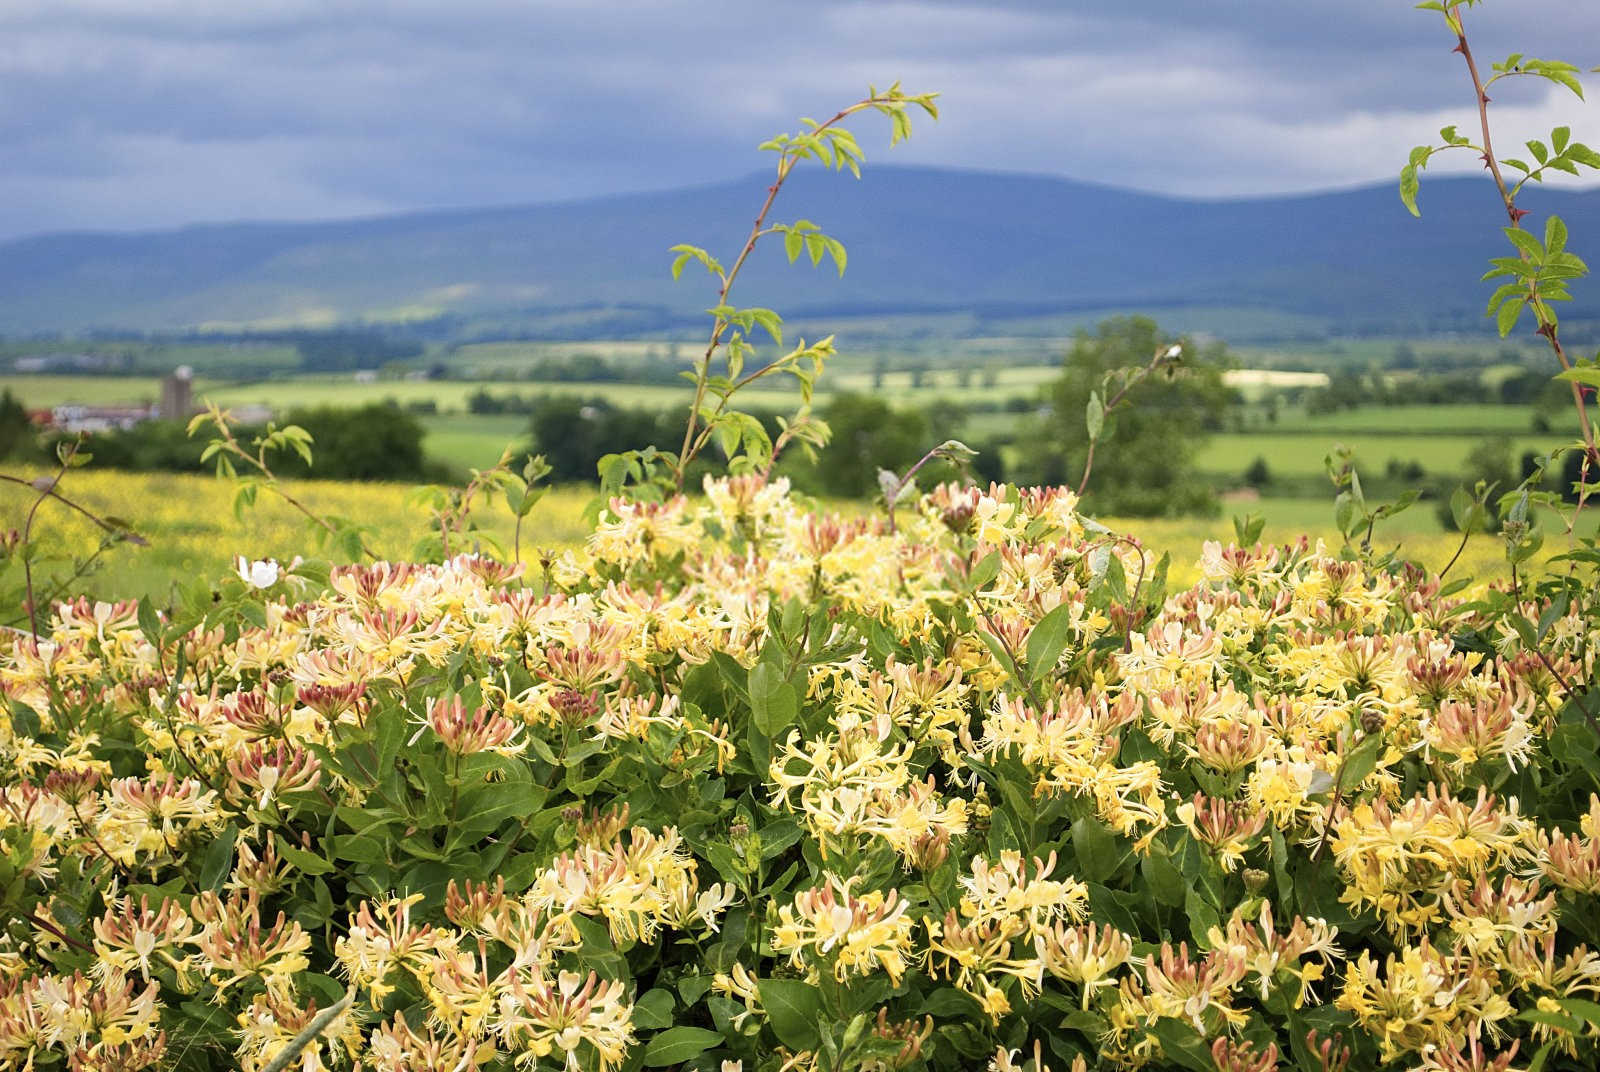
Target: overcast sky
x,y
134,114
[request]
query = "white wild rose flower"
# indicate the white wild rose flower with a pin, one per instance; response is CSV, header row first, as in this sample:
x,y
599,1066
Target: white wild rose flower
x,y
261,574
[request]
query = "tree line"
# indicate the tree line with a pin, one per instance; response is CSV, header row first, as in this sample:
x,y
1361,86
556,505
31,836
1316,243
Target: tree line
x,y
1144,463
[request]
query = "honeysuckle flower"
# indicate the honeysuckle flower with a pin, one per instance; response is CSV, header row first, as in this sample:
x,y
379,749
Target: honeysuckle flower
x,y
857,934
583,728
536,1018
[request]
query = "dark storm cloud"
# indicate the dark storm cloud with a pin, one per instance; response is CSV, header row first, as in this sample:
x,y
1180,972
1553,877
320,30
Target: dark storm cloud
x,y
116,113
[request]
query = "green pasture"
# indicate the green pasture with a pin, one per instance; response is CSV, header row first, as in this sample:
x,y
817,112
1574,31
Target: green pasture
x,y
472,441
1477,418
343,389
1295,455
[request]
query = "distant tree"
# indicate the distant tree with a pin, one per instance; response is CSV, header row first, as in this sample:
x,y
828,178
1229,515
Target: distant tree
x,y
1258,474
149,446
1491,462
1407,471
16,430
1346,389
378,441
574,433
945,419
989,467
1144,464
1572,473
868,435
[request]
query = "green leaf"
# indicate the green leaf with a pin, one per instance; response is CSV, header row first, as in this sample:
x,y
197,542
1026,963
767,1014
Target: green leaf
x,y
301,860
653,1010
1506,319
1165,880
1048,639
1094,415
218,859
1184,1045
149,621
1588,1010
836,250
1584,374
1580,153
774,702
1361,761
988,567
1552,1019
1555,234
1525,242
1408,189
1098,850
794,1008
677,1045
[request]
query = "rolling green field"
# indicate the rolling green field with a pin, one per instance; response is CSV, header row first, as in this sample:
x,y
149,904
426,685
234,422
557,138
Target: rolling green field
x,y
1292,455
472,441
1481,417
44,391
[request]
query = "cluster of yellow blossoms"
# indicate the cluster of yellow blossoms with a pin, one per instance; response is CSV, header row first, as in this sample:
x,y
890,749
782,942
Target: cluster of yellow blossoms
x,y
960,764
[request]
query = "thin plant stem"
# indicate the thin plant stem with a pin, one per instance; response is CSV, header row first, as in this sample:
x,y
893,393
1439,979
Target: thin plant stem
x,y
786,164
1137,378
1460,547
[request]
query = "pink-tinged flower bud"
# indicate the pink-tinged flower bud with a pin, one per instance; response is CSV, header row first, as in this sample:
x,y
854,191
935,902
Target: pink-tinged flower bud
x,y
465,735
265,772
1241,1056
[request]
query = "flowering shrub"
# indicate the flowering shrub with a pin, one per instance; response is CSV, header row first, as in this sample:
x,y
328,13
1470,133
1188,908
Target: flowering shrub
x,y
743,785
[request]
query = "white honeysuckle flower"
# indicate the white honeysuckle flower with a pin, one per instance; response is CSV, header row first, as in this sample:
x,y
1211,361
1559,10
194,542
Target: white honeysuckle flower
x,y
262,574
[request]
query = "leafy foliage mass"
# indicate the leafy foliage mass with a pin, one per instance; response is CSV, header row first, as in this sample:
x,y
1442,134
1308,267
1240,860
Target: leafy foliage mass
x,y
744,783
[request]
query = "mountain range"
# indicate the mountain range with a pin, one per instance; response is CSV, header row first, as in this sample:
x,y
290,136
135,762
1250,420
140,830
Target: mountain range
x,y
921,241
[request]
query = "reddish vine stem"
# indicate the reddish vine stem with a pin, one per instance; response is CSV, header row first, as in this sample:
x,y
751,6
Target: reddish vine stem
x,y
757,229
44,924
1508,197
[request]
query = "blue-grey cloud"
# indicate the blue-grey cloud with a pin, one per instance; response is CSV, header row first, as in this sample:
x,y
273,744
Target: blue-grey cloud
x,y
124,114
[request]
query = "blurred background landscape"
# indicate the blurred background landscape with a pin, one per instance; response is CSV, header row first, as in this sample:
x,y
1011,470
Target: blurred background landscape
x,y
419,330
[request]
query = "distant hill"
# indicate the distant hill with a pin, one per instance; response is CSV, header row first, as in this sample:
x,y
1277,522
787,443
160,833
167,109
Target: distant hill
x,y
921,240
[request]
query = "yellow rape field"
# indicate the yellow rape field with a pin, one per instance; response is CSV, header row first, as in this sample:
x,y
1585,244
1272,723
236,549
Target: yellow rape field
x,y
192,531
189,522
